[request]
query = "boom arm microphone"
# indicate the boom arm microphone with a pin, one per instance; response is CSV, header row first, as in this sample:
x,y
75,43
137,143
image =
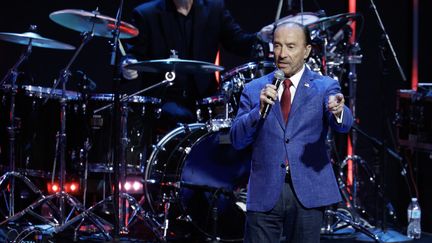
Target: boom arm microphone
x,y
278,78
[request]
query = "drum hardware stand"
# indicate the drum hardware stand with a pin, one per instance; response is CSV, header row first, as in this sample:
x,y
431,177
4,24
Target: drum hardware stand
x,y
216,191
351,203
62,196
384,232
167,82
123,225
137,213
11,130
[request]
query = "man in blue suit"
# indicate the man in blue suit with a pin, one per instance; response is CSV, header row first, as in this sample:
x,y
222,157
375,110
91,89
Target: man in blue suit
x,y
291,177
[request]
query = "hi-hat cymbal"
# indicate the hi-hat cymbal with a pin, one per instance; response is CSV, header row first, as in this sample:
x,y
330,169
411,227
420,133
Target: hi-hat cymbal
x,y
36,40
83,21
327,22
175,64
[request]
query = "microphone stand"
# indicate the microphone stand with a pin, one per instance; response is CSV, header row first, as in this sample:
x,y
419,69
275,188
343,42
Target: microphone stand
x,y
381,25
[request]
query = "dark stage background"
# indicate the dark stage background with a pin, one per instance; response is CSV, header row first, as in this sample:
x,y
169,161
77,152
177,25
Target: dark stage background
x,y
378,77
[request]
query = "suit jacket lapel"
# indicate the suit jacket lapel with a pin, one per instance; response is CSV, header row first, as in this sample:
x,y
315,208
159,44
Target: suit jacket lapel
x,y
304,90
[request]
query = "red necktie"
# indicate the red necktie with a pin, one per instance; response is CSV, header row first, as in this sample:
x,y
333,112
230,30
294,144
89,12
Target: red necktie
x,y
286,99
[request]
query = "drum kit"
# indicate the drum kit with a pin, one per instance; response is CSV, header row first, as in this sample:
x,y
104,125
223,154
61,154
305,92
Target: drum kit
x,y
192,175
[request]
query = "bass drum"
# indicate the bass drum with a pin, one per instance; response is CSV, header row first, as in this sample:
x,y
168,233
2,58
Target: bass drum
x,y
203,178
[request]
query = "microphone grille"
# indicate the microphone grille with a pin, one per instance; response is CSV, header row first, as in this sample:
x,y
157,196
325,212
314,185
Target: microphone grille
x,y
279,74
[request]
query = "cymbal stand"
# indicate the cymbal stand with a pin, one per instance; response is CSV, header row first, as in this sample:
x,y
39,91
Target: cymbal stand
x,y
125,199
11,130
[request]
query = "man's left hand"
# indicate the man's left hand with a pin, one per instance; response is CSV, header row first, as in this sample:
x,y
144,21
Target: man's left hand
x,y
336,104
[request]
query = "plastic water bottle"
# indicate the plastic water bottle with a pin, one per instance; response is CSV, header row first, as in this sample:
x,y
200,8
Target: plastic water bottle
x,y
414,218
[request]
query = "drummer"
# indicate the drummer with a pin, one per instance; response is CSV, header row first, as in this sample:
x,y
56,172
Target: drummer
x,y
194,29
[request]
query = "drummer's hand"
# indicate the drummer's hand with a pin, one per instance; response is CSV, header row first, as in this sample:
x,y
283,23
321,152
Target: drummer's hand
x,y
266,33
129,73
267,96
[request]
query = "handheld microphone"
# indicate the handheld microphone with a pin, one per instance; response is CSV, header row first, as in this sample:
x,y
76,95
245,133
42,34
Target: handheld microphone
x,y
278,78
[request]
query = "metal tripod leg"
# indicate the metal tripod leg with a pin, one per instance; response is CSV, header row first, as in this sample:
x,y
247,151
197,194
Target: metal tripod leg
x,y
356,225
137,212
61,223
11,176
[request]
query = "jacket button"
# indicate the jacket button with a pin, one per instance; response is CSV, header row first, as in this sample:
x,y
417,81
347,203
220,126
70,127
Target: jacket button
x,y
287,140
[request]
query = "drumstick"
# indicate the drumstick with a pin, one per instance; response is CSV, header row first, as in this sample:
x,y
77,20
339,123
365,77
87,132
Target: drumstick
x,y
122,50
278,12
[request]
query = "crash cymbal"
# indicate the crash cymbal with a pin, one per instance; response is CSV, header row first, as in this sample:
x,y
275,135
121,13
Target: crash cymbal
x,y
327,22
83,21
36,40
174,64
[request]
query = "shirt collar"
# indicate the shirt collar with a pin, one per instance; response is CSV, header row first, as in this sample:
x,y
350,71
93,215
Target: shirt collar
x,y
295,79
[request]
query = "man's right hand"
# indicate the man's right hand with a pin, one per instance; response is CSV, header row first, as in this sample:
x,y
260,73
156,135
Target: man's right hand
x,y
129,73
267,96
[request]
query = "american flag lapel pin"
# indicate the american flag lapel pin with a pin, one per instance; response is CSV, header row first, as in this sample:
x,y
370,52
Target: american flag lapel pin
x,y
307,85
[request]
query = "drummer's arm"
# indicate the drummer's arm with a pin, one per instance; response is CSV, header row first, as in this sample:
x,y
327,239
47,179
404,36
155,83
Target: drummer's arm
x,y
233,37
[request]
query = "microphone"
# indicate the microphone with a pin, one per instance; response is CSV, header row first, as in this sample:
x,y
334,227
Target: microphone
x,y
278,78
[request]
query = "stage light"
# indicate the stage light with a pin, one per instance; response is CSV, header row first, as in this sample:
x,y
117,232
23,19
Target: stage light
x,y
73,186
133,185
69,187
53,187
127,186
137,186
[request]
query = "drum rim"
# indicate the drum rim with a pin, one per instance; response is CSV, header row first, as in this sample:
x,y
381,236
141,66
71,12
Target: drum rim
x,y
109,97
44,92
249,65
158,148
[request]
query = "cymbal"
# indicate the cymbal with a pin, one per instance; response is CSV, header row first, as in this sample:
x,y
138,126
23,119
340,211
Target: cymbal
x,y
304,18
83,21
36,40
175,64
327,22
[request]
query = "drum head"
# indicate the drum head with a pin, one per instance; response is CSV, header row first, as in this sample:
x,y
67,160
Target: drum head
x,y
204,176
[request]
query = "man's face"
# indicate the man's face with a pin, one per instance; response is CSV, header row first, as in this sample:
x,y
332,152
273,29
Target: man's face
x,y
290,49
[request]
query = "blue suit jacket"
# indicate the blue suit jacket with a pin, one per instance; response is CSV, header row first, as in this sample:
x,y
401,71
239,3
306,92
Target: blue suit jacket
x,y
302,141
